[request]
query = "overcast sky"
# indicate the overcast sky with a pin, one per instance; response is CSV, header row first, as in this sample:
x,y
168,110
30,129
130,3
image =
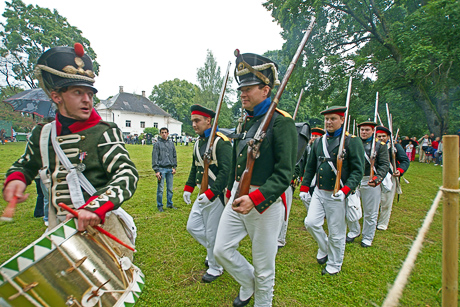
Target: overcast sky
x,y
142,43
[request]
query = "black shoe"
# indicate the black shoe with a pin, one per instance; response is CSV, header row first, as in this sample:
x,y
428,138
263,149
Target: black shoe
x,y
161,209
207,278
350,240
325,272
172,207
206,263
239,303
322,260
364,244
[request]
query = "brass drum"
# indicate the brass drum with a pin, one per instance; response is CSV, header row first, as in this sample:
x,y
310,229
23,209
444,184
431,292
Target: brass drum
x,y
65,267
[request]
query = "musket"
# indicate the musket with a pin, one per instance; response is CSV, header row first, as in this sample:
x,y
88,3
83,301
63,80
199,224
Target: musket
x,y
354,126
393,147
341,153
348,123
254,144
207,157
297,106
373,153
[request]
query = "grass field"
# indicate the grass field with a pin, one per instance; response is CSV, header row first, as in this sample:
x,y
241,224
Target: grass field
x,y
173,262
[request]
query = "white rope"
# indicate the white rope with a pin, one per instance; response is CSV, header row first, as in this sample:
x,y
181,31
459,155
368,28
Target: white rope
x,y
260,68
395,292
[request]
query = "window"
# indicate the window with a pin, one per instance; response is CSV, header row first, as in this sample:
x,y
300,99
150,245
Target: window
x,y
155,125
128,123
142,124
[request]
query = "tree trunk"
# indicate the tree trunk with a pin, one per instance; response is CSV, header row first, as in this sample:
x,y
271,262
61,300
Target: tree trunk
x,y
435,108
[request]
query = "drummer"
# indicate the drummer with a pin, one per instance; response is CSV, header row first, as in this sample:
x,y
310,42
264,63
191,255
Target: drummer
x,y
81,158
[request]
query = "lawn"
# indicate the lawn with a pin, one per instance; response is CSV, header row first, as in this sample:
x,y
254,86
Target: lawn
x,y
173,262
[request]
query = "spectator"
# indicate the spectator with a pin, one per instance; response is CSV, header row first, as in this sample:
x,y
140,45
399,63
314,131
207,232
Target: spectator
x,y
432,137
424,142
2,136
416,147
409,149
164,163
438,154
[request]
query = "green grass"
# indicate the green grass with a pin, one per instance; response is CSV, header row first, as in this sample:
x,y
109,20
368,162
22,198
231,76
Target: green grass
x,y
173,262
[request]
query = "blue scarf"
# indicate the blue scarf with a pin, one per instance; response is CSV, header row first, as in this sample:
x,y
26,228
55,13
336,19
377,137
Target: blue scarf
x,y
336,132
261,108
207,132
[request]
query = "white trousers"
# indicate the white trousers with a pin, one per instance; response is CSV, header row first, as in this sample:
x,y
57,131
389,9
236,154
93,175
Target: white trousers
x,y
386,204
370,200
285,218
202,224
321,206
263,230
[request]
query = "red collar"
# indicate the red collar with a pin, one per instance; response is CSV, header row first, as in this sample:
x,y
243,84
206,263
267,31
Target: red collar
x,y
78,126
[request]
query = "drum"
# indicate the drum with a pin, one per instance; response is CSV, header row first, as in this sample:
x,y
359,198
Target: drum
x,y
65,267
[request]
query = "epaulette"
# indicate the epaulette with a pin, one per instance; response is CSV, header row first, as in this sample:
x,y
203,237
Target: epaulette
x,y
222,136
382,143
284,113
353,136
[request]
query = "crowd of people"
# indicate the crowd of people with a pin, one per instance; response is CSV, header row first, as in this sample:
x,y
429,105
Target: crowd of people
x,y
238,196
429,148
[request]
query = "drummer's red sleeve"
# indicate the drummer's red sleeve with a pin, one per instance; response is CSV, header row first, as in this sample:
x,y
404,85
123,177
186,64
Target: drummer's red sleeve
x,y
100,211
15,176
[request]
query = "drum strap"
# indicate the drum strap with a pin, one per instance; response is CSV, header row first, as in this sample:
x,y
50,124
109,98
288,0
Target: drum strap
x,y
44,141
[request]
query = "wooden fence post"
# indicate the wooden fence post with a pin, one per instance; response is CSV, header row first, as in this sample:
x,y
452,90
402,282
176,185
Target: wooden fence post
x,y
450,221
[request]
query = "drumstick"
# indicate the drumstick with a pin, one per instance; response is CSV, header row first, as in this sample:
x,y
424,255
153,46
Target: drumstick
x,y
101,230
9,210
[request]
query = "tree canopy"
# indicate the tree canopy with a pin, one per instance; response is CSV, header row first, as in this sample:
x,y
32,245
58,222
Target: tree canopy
x,y
29,31
406,50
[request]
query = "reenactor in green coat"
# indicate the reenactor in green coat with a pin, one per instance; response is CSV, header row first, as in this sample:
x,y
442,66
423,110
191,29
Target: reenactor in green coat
x,y
77,143
300,166
322,163
260,213
369,190
401,163
206,211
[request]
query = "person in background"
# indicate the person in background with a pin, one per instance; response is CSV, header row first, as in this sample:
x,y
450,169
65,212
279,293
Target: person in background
x,y
409,150
424,142
164,163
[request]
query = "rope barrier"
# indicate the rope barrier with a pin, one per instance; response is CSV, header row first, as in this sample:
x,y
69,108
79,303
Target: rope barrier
x,y
395,292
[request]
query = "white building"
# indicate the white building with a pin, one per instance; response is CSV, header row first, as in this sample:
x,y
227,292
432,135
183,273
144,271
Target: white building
x,y
133,113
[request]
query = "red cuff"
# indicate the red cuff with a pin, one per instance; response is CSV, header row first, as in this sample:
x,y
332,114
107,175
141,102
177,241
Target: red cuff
x,y
209,194
228,194
304,188
188,188
102,210
257,197
15,176
346,190
400,170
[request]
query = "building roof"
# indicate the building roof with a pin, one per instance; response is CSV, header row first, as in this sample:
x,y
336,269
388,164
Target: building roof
x,y
132,103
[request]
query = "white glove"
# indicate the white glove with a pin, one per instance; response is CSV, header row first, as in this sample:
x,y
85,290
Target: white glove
x,y
305,197
203,200
340,196
186,197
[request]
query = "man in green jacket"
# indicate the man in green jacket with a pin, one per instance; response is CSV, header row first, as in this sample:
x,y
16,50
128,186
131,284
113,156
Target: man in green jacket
x,y
77,143
206,211
369,189
258,214
322,163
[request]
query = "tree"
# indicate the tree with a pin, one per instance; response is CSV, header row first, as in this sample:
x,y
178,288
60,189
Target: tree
x,y
29,31
152,130
176,97
405,44
210,83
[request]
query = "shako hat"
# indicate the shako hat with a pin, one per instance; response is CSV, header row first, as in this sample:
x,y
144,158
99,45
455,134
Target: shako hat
x,y
65,66
381,129
200,110
335,110
252,69
368,123
317,131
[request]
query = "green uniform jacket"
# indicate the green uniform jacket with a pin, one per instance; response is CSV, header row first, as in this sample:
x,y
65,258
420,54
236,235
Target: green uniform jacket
x,y
382,160
273,169
108,166
352,167
220,166
402,161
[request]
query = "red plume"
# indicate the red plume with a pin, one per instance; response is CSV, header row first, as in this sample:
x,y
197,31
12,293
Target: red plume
x,y
79,50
